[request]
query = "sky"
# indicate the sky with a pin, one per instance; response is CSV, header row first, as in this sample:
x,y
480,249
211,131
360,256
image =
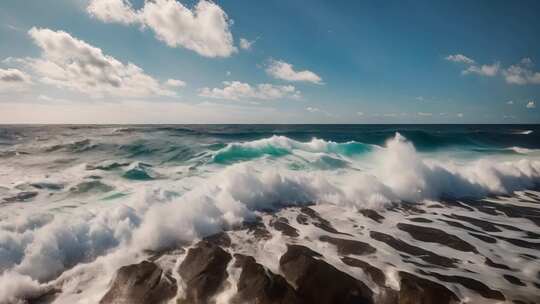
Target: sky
x,y
274,61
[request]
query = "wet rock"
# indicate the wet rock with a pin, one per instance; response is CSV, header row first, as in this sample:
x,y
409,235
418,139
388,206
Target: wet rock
x,y
417,290
372,214
90,187
433,235
484,238
513,280
259,285
143,283
204,271
282,224
472,284
376,275
420,220
46,297
423,254
257,229
346,247
460,225
319,282
490,263
318,221
521,243
22,197
47,186
220,239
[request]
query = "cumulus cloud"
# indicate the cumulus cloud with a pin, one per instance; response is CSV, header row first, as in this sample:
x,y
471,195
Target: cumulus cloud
x,y
236,90
204,29
13,79
521,73
175,83
246,44
282,70
531,105
113,11
67,62
460,58
483,70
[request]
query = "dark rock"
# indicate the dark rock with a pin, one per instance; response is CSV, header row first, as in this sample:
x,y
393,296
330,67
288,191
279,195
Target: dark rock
x,y
345,247
423,254
484,238
490,263
472,284
417,290
433,235
257,229
513,280
259,285
220,239
46,297
320,282
420,220
204,270
372,214
22,196
376,275
281,224
143,283
318,221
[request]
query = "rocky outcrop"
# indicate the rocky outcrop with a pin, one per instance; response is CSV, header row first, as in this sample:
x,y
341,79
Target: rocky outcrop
x,y
317,281
415,290
259,285
204,271
143,283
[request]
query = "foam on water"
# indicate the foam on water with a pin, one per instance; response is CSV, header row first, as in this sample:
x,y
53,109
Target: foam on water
x,y
78,237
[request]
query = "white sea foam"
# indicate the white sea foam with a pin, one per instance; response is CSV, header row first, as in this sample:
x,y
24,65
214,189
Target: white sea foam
x,y
46,244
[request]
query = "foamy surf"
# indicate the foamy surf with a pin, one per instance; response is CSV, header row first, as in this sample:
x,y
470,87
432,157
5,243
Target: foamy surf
x,y
68,240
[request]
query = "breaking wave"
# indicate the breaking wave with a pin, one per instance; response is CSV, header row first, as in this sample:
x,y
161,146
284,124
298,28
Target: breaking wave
x,y
39,245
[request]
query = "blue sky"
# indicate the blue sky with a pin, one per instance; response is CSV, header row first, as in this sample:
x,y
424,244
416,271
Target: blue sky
x,y
167,61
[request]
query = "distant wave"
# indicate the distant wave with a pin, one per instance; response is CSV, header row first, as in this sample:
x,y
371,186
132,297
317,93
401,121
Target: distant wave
x,y
281,145
523,132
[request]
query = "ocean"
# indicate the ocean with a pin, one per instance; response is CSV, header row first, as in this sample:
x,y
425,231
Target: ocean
x,y
79,201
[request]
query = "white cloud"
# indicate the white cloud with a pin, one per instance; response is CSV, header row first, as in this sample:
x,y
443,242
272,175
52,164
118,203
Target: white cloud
x,y
483,70
246,44
510,102
236,90
521,73
424,114
460,58
67,62
313,110
113,11
531,105
204,29
175,83
13,79
285,71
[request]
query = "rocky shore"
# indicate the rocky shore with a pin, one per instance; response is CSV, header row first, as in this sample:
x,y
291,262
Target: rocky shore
x,y
431,253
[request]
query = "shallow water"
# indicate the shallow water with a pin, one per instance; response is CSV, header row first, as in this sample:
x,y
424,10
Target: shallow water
x,y
87,199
